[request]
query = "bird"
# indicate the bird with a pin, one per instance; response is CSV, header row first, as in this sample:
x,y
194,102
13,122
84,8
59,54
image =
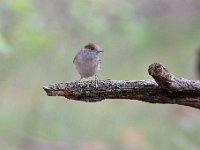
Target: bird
x,y
87,61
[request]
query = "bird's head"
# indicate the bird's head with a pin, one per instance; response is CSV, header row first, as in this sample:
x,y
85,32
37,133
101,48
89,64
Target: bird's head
x,y
93,47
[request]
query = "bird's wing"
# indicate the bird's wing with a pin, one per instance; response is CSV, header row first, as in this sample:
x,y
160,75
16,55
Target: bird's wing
x,y
74,58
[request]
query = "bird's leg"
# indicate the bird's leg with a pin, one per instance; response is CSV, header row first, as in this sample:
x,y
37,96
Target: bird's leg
x,y
80,79
96,81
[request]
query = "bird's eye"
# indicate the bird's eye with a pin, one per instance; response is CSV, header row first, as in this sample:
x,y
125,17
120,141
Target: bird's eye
x,y
92,48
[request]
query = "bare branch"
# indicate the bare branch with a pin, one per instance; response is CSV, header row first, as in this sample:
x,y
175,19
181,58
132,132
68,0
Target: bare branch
x,y
169,82
167,89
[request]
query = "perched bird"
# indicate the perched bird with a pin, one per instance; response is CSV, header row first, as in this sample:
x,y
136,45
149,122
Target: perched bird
x,y
87,61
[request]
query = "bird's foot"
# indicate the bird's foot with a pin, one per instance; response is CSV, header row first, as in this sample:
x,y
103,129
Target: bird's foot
x,y
96,81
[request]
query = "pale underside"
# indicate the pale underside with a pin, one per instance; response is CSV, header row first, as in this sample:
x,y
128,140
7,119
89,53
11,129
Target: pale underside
x,y
87,66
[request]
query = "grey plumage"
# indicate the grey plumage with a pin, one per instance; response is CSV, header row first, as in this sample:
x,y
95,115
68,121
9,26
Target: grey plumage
x,y
87,61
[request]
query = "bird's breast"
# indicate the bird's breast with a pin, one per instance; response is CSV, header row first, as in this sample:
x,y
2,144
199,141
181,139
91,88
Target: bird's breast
x,y
87,66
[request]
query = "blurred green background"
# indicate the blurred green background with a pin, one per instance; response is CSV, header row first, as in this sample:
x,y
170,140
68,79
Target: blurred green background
x,y
38,40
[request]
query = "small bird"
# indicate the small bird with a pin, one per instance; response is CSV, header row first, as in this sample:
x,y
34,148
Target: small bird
x,y
87,61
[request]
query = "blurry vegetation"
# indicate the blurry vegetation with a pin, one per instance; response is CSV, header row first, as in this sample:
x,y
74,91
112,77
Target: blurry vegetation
x,y
38,40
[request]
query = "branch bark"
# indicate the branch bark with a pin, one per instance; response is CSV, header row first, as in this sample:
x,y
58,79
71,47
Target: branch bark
x,y
166,89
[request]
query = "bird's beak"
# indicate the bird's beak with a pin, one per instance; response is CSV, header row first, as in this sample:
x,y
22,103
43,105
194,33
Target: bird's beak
x,y
100,50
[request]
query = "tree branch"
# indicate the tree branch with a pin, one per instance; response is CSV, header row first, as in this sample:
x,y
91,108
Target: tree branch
x,y
167,89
